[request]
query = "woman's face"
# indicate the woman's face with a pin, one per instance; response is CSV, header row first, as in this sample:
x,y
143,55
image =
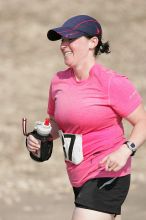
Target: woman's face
x,y
76,51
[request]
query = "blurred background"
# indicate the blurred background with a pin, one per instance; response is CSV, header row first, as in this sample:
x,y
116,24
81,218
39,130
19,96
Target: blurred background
x,y
29,190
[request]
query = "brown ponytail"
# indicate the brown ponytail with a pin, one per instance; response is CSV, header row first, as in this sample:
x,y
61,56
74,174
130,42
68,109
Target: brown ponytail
x,y
101,47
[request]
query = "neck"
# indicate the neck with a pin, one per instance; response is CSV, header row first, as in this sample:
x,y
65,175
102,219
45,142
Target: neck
x,y
82,71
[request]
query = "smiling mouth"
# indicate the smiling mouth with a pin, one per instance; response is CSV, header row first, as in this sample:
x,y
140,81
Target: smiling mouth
x,y
67,53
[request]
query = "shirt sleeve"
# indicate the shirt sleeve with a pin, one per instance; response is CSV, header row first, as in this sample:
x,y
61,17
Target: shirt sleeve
x,y
123,96
51,103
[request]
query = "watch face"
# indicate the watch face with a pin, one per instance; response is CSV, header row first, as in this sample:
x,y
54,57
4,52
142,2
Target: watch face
x,y
132,146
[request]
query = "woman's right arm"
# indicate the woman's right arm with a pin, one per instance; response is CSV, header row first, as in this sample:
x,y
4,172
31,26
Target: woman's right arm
x,y
55,129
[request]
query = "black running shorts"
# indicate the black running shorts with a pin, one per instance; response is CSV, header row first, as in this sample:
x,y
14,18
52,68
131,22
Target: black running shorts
x,y
103,194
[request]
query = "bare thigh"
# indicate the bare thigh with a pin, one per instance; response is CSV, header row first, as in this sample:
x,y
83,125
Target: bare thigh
x,y
118,217
86,214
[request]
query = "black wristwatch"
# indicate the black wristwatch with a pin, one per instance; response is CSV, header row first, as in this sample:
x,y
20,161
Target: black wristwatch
x,y
131,146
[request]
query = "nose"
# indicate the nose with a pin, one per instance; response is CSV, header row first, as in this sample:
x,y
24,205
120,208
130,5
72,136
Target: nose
x,y
64,43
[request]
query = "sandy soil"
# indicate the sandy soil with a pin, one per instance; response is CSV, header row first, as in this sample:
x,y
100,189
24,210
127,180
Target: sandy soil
x,y
28,60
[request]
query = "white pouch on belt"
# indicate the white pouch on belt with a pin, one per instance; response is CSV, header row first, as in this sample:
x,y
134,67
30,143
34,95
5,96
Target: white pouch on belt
x,y
72,147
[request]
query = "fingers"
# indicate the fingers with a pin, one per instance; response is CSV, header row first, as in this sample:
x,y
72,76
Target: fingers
x,y
109,164
114,161
33,144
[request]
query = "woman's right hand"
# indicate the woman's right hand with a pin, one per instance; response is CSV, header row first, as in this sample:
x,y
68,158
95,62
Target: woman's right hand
x,y
33,144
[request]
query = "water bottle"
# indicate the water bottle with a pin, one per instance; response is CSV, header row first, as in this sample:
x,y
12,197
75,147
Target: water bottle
x,y
41,132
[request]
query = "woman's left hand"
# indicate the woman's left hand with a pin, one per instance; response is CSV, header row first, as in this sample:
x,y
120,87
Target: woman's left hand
x,y
116,160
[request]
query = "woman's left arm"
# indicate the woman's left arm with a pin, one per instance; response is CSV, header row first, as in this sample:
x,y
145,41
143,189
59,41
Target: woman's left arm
x,y
138,120
116,160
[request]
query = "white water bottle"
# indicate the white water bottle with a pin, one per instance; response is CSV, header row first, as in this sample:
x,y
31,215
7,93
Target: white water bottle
x,y
42,132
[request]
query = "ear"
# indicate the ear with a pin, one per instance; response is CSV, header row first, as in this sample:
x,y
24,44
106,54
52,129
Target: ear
x,y
93,42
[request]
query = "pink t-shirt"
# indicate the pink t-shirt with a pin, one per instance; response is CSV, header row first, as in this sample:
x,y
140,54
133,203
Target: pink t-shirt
x,y
93,108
